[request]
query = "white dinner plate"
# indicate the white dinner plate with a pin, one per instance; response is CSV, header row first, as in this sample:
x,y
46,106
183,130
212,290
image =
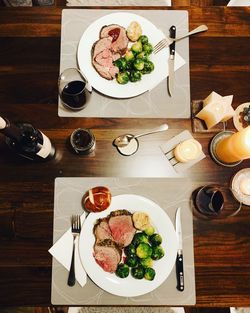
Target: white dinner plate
x,y
130,287
111,87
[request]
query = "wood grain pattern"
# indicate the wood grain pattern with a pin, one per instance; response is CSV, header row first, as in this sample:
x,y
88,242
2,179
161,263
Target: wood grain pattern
x,y
29,67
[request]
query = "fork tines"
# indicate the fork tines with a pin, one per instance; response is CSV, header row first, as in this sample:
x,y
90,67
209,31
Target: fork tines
x,y
160,45
76,223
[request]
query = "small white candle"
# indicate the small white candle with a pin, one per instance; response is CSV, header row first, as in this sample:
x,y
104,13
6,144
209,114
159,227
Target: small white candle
x,y
187,150
245,186
2,123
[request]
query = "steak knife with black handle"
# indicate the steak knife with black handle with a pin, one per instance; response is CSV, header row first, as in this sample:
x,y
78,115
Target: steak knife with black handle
x,y
172,34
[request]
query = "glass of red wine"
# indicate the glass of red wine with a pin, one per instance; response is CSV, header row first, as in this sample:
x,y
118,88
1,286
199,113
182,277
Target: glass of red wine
x,y
74,89
215,202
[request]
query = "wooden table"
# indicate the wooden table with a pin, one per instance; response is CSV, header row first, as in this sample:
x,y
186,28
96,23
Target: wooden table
x,y
29,67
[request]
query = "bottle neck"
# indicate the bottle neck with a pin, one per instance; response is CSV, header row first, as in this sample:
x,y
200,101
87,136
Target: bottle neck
x,y
9,130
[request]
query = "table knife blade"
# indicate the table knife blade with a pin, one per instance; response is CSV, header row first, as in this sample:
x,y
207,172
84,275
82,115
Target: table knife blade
x,y
179,258
172,34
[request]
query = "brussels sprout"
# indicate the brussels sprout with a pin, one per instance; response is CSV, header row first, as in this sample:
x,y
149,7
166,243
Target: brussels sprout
x,y
130,66
148,67
143,39
149,231
139,238
157,253
137,47
130,250
138,272
131,260
149,273
122,78
155,239
143,251
135,76
121,64
142,55
122,270
138,64
129,56
148,262
148,48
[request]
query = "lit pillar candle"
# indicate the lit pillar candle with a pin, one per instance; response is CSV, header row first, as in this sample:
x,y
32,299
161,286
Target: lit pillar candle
x,y
234,148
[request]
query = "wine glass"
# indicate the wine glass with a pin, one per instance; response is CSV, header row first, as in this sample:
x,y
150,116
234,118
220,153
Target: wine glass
x,y
215,202
74,89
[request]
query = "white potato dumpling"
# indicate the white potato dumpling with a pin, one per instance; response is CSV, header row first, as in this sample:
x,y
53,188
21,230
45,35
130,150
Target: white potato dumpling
x,y
141,220
134,31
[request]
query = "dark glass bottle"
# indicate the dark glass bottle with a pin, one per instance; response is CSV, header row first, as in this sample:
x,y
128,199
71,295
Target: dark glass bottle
x,y
27,141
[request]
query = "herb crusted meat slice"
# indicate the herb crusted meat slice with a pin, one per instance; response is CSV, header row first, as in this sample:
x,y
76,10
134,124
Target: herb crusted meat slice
x,y
107,254
118,35
121,227
102,230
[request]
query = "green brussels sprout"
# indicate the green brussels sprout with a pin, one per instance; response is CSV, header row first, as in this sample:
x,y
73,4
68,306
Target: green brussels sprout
x,y
138,272
130,250
148,262
143,39
149,231
122,270
142,55
148,67
137,47
131,260
138,64
139,238
144,250
130,66
122,78
155,239
129,56
148,48
157,253
149,273
121,64
135,76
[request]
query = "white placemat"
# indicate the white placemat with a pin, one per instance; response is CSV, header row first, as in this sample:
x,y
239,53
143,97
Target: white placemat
x,y
239,3
153,104
118,3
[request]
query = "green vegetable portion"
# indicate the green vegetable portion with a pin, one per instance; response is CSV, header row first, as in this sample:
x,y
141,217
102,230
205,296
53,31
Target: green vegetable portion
x,y
130,250
155,239
138,272
121,64
157,253
143,39
149,273
135,76
149,231
129,56
137,47
148,262
132,260
144,250
122,270
122,78
148,67
139,64
139,238
148,48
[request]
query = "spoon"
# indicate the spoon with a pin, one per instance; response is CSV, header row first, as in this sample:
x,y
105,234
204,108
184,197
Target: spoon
x,y
124,140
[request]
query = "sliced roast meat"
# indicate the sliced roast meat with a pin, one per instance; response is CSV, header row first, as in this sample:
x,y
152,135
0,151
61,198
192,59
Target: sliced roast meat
x,y
121,226
102,230
118,35
103,57
107,255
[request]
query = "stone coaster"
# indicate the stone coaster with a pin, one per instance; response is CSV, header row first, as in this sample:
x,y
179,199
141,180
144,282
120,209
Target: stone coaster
x,y
168,150
199,126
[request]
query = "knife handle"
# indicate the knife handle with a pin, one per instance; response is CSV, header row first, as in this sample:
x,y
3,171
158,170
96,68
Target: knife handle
x,y
179,272
172,34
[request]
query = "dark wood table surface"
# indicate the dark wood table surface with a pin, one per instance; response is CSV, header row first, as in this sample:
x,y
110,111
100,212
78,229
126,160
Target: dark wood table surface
x,y
29,68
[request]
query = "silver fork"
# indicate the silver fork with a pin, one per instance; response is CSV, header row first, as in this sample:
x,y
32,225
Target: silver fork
x,y
167,41
75,229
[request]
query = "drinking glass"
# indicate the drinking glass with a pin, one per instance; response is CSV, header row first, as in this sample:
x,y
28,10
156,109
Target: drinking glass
x,y
74,89
82,141
215,202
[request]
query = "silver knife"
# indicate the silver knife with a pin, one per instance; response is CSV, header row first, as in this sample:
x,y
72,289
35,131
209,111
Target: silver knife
x,y
172,34
179,258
